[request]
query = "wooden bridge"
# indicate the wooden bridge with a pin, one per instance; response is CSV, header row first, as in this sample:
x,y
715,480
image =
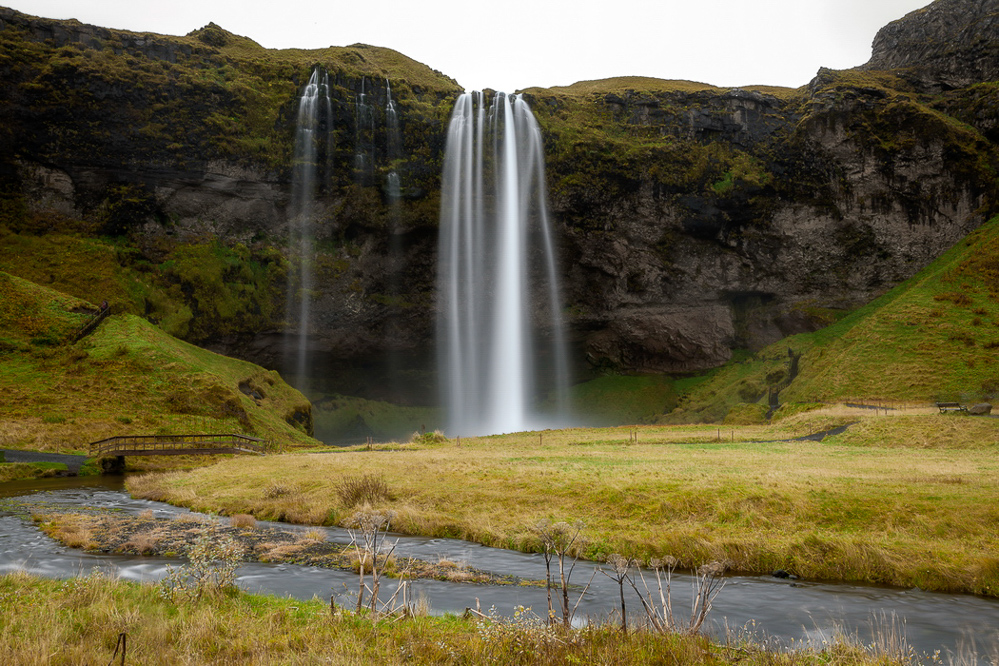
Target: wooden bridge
x,y
176,445
103,313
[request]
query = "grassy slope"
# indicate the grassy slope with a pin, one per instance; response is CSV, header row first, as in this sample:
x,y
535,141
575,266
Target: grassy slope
x,y
904,500
931,338
128,377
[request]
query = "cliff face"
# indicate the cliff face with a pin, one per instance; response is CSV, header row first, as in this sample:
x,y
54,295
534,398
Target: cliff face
x,y
693,220
947,44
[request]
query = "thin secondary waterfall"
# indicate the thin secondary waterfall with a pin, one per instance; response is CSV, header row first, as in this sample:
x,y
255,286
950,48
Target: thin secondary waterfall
x,y
314,109
500,338
364,157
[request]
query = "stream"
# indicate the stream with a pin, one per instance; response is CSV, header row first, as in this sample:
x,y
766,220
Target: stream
x,y
788,612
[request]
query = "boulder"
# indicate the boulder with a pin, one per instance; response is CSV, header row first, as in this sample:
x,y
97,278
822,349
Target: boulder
x,y
981,409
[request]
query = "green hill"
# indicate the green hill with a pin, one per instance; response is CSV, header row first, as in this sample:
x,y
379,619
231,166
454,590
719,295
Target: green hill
x,y
933,337
127,377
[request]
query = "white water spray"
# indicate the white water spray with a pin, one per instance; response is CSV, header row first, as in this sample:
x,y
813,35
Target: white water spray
x,y
499,329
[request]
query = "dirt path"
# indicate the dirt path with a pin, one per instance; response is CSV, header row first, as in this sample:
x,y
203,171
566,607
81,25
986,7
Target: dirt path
x,y
73,463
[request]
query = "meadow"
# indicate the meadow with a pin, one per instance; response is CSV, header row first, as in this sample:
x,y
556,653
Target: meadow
x,y
903,498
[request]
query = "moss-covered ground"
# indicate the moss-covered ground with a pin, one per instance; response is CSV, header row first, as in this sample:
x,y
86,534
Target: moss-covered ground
x,y
127,377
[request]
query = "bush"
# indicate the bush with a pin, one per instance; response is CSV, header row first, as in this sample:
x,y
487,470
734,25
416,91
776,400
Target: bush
x,y
243,520
364,489
435,437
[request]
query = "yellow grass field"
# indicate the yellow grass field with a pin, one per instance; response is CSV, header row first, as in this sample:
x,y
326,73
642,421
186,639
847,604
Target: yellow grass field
x,y
906,499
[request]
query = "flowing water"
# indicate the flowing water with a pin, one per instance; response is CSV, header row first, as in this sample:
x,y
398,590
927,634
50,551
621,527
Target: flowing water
x,y
364,139
499,328
314,115
773,609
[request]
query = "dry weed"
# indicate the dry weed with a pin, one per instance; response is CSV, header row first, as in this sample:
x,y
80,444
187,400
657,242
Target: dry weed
x,y
354,490
144,543
243,520
314,535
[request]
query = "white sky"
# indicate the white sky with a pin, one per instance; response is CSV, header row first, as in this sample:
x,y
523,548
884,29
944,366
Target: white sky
x,y
522,43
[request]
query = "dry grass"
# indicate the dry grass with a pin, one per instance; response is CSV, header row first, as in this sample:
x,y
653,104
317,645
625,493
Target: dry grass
x,y
313,536
143,544
880,503
78,621
358,489
243,520
71,529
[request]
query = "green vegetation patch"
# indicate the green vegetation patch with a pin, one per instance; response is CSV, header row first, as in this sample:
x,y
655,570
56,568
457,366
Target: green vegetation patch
x,y
341,419
127,377
931,338
622,399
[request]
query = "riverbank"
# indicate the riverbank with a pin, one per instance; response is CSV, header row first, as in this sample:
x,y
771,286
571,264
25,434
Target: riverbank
x,y
903,500
81,621
173,537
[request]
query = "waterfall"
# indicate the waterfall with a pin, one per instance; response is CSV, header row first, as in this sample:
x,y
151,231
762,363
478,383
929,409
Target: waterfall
x,y
314,116
499,325
364,155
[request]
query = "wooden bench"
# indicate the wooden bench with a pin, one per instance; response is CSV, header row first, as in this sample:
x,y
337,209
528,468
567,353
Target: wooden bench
x,y
945,407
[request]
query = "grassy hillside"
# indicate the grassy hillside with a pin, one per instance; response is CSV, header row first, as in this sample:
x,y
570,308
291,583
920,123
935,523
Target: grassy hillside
x,y
128,377
934,337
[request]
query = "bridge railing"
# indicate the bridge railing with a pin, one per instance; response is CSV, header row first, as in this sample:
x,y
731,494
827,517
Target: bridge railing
x,y
177,443
91,324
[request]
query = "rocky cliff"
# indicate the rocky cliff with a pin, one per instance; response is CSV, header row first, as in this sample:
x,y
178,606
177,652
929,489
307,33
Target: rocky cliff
x,y
692,220
946,45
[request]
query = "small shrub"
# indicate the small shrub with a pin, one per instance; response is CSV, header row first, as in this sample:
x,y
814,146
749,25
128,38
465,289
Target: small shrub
x,y
211,569
243,520
315,535
275,491
364,489
143,544
435,437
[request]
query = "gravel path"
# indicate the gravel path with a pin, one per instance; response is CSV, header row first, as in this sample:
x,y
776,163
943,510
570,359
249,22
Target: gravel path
x,y
72,462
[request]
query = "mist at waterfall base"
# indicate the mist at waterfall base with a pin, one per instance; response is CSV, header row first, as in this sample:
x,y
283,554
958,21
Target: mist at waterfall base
x,y
499,321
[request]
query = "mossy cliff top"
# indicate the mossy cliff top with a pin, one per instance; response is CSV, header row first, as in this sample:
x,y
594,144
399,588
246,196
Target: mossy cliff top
x,y
182,101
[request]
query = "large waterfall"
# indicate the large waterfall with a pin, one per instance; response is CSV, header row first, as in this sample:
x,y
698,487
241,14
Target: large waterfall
x,y
501,346
310,156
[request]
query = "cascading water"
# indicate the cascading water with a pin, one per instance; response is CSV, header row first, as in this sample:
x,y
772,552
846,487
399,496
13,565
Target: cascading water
x,y
364,156
393,141
314,113
499,329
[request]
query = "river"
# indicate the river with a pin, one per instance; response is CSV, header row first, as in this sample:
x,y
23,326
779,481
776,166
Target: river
x,y
784,612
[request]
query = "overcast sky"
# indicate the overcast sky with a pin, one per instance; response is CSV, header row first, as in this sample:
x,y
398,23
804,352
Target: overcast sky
x,y
523,43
